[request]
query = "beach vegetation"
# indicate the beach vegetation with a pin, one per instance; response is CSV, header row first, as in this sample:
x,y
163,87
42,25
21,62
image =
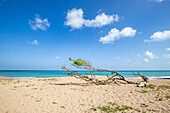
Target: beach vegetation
x,y
3,83
142,91
168,97
113,107
18,81
82,64
150,86
158,95
164,86
48,79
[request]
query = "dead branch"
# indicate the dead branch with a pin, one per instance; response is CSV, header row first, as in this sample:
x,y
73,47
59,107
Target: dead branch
x,y
143,77
81,64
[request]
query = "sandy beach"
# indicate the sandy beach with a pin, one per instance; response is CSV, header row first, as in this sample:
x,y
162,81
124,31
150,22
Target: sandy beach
x,y
71,95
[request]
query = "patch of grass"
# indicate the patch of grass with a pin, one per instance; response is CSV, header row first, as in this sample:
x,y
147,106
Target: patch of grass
x,y
164,86
142,91
112,103
18,81
168,97
150,86
114,108
157,96
138,110
3,83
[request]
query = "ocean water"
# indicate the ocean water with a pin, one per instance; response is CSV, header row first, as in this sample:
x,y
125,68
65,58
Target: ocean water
x,y
60,73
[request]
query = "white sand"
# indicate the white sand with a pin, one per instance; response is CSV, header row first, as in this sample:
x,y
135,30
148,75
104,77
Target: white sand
x,y
70,95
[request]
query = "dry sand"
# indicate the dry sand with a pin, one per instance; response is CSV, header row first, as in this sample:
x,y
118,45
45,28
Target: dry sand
x,y
71,95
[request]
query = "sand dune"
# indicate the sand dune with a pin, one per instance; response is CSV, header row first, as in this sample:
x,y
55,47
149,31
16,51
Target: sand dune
x,y
70,95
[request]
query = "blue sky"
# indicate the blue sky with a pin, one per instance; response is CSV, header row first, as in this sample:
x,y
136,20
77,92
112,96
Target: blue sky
x,y
112,34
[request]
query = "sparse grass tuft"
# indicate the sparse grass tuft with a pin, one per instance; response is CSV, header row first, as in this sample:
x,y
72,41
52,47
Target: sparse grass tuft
x,y
142,91
48,79
115,108
157,96
18,81
3,83
164,86
168,97
150,86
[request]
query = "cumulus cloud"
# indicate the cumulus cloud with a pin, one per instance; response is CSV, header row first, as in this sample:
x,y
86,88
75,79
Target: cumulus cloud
x,y
168,49
101,20
34,42
115,34
150,55
57,57
159,36
39,23
75,19
167,56
146,60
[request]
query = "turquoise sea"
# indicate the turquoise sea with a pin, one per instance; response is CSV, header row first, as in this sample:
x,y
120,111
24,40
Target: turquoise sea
x,y
60,73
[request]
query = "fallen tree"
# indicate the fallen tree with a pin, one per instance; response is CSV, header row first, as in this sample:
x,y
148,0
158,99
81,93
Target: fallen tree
x,y
116,77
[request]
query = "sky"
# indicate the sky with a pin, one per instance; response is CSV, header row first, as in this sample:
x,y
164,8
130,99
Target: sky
x,y
112,34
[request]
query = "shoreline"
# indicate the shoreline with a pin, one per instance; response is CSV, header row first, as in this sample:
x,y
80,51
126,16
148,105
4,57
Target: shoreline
x,y
150,78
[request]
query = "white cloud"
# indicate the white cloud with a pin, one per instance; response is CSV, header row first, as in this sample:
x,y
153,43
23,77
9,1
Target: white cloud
x,y
158,1
168,62
138,55
39,23
57,57
101,20
146,60
159,36
75,19
150,55
167,56
168,49
115,34
117,57
34,42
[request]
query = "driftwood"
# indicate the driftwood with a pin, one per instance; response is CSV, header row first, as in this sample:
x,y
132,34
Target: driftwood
x,y
116,77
